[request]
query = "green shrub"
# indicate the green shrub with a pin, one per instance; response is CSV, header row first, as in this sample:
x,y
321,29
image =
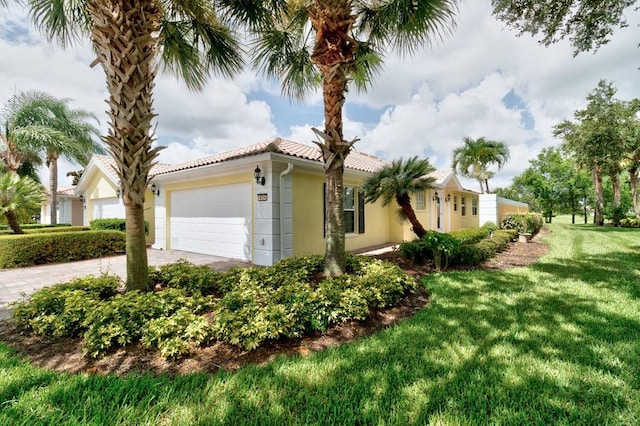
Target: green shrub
x,y
176,334
490,227
336,301
124,318
415,252
48,230
470,235
474,254
27,250
382,283
523,222
60,310
187,276
442,246
630,222
116,224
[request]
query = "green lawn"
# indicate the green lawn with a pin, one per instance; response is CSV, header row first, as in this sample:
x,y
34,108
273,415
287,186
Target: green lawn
x,y
555,343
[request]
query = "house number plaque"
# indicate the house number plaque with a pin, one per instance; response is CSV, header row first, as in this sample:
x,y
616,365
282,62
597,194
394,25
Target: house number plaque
x,y
262,197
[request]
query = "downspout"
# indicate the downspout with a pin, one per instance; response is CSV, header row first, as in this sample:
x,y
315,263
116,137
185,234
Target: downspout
x,y
288,170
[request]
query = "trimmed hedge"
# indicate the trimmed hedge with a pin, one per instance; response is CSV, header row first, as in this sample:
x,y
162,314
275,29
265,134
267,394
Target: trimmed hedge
x,y
470,235
474,254
37,226
116,224
50,230
27,250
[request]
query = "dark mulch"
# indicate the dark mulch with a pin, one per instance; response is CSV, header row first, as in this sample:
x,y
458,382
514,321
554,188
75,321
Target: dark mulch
x,y
66,354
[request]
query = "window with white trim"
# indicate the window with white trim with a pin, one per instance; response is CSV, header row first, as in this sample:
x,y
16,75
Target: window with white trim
x,y
474,207
421,200
463,206
349,210
455,203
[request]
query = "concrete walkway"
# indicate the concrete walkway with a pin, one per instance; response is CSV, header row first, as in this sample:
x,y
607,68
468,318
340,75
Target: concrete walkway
x,y
16,282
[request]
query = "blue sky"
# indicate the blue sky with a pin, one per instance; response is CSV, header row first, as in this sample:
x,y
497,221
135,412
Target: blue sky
x,y
482,80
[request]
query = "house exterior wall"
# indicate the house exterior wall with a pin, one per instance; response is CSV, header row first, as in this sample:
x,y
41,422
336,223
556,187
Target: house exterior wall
x,y
469,220
308,217
494,208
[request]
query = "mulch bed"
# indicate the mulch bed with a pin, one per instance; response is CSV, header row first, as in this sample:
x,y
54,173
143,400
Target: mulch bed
x,y
66,354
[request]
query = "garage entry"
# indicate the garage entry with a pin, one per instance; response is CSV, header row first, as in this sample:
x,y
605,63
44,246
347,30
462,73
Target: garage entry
x,y
104,208
212,220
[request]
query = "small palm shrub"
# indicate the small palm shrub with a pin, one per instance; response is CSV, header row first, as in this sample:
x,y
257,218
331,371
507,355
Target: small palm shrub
x,y
523,222
433,246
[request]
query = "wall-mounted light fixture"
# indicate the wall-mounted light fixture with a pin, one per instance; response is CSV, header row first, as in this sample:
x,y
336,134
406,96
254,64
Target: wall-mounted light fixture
x,y
155,189
118,193
82,198
257,173
436,197
448,198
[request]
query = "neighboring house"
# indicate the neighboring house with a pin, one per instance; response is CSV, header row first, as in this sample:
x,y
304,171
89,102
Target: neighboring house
x,y
494,208
69,207
266,201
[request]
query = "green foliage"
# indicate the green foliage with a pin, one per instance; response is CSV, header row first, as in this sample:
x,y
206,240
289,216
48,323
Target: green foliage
x,y
61,310
435,246
490,227
46,230
523,222
124,319
174,335
476,253
27,226
630,222
335,301
27,250
473,158
471,235
117,224
187,276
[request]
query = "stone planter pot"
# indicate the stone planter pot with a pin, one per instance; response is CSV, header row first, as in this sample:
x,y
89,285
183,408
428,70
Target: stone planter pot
x,y
524,237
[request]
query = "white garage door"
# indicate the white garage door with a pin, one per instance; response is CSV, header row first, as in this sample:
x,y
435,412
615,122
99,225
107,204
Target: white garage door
x,y
213,221
107,208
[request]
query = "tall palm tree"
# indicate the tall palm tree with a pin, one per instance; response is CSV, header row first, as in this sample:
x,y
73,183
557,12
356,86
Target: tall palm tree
x,y
70,135
397,181
474,157
18,193
131,38
329,43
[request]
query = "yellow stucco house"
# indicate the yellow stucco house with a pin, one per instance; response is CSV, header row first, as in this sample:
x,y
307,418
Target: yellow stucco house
x,y
266,201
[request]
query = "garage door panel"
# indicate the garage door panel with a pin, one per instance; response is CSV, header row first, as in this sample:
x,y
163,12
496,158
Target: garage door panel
x,y
213,220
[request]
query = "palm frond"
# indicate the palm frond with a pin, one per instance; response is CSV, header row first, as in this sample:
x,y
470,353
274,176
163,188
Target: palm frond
x,y
64,21
406,25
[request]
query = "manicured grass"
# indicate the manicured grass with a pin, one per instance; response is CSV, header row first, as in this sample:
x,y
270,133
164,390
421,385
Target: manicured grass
x,y
554,343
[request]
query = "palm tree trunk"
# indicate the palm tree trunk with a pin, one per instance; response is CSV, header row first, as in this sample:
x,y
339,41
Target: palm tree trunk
x,y
124,36
12,220
481,182
405,204
333,53
486,183
596,174
633,182
53,187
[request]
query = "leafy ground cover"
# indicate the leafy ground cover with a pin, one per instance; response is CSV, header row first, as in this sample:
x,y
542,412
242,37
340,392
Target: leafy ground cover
x,y
556,342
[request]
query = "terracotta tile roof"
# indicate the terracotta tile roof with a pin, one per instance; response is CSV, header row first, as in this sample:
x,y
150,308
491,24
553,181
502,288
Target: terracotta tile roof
x,y
66,190
355,160
109,166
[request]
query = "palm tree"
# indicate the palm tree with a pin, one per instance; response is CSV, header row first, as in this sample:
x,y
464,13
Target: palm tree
x,y
329,43
397,181
473,158
18,193
68,134
131,38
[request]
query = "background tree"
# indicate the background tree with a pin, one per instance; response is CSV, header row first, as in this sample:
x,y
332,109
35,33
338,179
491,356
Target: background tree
x,y
17,194
398,181
69,135
130,38
329,43
589,24
597,141
474,157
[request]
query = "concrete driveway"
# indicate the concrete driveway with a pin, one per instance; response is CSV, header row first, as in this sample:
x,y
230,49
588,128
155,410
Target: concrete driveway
x,y
18,281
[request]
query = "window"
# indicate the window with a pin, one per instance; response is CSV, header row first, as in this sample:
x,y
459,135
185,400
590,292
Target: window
x,y
463,206
421,200
474,206
349,210
455,203
353,207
